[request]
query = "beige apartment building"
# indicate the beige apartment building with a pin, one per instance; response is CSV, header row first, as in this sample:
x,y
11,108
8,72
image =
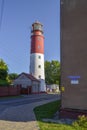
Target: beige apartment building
x,y
73,20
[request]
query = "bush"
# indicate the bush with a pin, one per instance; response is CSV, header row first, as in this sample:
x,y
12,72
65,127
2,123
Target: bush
x,y
3,82
80,122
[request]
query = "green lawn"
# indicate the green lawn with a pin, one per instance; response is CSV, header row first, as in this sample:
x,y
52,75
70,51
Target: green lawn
x,y
47,111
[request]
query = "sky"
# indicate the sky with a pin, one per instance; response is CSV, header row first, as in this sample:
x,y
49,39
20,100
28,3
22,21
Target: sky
x,y
16,19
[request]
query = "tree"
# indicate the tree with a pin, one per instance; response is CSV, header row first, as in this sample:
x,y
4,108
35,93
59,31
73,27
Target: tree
x,y
52,72
3,72
12,76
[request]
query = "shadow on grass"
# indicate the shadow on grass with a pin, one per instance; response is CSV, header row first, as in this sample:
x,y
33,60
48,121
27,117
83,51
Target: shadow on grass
x,y
47,110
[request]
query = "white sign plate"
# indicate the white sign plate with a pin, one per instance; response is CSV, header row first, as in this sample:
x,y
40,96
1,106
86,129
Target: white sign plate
x,y
74,82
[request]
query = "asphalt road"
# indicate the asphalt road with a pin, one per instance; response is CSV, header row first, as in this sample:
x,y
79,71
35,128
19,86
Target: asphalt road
x,y
27,99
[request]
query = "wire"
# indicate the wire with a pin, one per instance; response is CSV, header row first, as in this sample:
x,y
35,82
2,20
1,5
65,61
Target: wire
x,y
2,9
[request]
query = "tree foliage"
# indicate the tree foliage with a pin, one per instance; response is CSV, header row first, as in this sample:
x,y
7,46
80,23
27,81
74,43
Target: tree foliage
x,y
3,72
3,65
5,78
52,72
12,76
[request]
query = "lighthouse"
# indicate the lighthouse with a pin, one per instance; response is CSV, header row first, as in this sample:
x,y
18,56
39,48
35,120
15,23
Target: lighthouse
x,y
37,54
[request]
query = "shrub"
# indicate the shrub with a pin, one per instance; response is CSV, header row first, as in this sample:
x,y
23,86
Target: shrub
x,y
81,122
3,82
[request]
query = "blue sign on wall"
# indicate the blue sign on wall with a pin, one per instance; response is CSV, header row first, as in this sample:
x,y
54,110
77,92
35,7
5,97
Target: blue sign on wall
x,y
74,77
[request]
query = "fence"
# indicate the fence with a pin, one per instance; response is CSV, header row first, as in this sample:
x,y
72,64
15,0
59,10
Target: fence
x,y
26,90
10,91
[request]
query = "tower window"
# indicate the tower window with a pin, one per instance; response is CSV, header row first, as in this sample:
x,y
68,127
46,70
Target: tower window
x,y
39,66
39,46
38,38
39,76
39,57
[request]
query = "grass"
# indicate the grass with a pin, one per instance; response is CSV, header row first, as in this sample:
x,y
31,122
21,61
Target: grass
x,y
47,111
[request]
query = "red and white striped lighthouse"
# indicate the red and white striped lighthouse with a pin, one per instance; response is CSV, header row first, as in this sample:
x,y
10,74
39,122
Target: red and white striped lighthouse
x,y
37,54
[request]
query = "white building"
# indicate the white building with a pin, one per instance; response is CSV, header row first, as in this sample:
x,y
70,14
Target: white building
x,y
28,83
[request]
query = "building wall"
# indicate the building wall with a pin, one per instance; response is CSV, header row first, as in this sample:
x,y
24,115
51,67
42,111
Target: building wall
x,y
42,85
37,42
23,80
36,87
26,82
74,53
37,65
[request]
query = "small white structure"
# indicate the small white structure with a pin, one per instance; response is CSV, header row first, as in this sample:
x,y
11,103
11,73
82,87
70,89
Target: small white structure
x,y
42,85
52,88
28,82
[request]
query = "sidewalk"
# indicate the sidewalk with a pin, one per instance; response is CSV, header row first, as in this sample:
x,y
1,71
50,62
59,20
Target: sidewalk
x,y
20,117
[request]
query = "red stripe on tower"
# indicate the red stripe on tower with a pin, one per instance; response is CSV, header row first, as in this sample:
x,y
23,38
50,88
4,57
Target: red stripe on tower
x,y
37,38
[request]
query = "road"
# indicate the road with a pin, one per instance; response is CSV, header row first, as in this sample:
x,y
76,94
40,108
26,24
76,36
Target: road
x,y
7,103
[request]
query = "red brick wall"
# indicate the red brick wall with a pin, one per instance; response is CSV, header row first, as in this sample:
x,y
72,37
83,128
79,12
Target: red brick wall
x,y
70,113
9,91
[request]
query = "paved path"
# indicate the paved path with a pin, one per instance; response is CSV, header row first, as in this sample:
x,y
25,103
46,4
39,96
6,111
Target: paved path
x,y
20,117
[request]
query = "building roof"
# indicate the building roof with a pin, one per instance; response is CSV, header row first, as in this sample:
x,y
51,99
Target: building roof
x,y
29,76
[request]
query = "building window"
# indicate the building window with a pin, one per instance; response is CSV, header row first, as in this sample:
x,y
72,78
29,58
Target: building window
x,y
39,76
39,66
39,57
